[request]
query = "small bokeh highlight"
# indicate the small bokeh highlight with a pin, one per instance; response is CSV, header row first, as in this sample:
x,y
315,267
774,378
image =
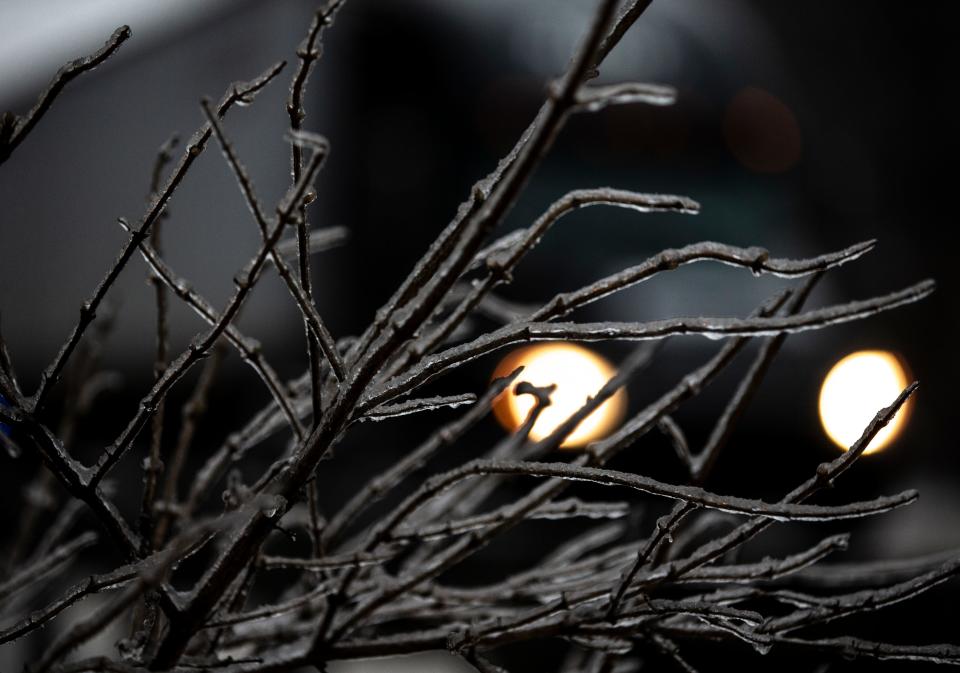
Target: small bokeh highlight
x,y
855,389
578,373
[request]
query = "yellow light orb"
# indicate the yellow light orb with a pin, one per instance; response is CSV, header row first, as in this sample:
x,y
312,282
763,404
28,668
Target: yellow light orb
x,y
854,390
578,373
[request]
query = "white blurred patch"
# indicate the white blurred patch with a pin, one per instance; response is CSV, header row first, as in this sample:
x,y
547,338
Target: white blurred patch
x,y
39,36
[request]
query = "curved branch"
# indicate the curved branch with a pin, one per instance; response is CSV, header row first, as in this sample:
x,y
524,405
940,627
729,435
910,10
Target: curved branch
x,y
605,331
756,259
13,130
240,92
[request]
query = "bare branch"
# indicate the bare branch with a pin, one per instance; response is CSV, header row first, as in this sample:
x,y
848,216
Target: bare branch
x,y
491,200
320,240
386,481
863,601
191,415
198,349
349,560
317,337
566,509
604,477
826,473
271,611
380,579
870,573
516,511
418,405
700,465
148,574
500,264
238,93
672,430
757,260
154,464
595,98
299,290
92,585
249,349
769,569
13,129
73,477
526,332
847,647
703,463
46,566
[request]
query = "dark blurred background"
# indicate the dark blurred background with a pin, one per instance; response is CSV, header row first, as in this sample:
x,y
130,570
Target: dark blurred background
x,y
800,127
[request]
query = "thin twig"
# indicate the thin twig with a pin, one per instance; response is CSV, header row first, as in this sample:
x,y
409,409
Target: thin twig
x,y
758,260
191,414
501,264
250,350
13,130
718,327
862,601
825,474
199,348
383,483
317,339
700,465
154,464
46,566
241,92
300,291
418,405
